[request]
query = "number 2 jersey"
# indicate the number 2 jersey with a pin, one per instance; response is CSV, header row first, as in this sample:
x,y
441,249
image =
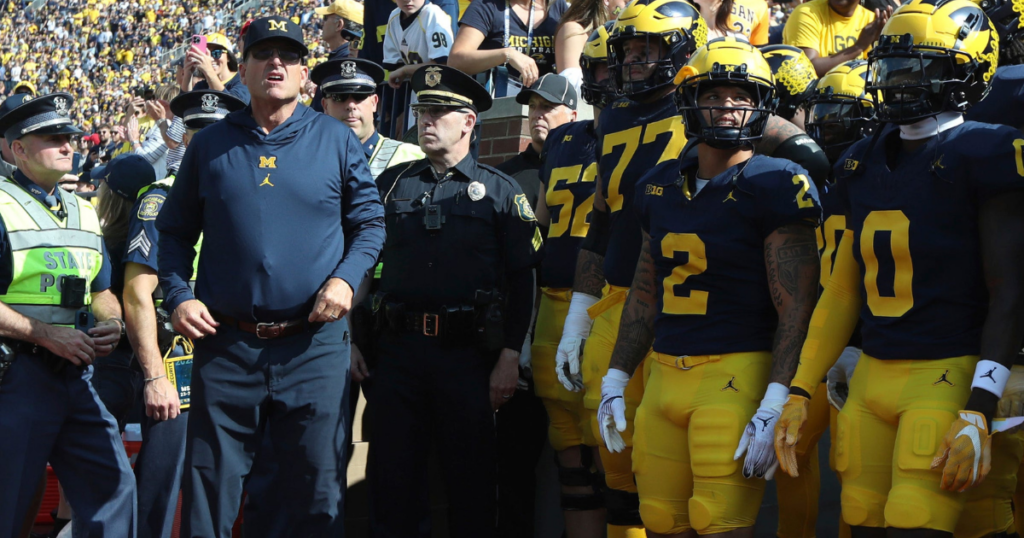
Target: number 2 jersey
x,y
632,138
915,228
708,251
567,174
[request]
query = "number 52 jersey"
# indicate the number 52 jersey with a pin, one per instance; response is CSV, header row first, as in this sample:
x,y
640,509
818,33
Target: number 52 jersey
x,y
916,236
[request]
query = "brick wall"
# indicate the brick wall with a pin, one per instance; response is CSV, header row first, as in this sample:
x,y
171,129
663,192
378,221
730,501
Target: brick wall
x,y
505,129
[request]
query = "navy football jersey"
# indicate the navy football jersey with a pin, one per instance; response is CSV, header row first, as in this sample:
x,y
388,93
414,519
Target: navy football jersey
x,y
1004,104
915,230
633,138
833,224
708,251
567,177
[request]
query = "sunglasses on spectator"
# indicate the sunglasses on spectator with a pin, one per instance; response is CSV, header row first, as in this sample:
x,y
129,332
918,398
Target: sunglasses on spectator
x,y
217,53
342,97
287,56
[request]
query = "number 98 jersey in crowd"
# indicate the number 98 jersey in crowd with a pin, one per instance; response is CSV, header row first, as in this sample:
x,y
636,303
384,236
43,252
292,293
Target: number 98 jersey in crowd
x,y
708,251
568,171
916,237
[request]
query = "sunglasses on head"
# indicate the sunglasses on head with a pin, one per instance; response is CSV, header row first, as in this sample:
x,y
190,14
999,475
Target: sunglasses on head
x,y
287,56
342,97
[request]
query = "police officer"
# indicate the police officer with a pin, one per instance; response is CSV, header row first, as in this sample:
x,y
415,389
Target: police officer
x,y
291,222
456,296
7,166
52,267
348,87
161,459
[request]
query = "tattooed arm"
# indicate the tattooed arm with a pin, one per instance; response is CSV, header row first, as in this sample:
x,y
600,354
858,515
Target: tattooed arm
x,y
589,277
636,331
791,256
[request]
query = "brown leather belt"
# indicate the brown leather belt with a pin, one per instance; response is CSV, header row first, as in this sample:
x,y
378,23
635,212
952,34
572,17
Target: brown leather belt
x,y
267,331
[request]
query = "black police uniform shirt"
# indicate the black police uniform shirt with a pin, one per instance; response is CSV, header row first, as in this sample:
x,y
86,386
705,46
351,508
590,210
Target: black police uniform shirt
x,y
336,54
708,250
1004,104
480,241
568,182
915,229
277,212
233,87
488,16
525,169
102,280
632,138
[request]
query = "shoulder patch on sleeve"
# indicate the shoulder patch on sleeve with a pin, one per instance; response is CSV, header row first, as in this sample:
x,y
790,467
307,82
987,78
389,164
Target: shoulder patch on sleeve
x,y
524,209
149,206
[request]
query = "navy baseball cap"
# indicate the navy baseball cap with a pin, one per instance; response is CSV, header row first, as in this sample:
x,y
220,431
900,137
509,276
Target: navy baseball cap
x,y
551,88
447,86
348,75
200,108
46,115
127,174
275,27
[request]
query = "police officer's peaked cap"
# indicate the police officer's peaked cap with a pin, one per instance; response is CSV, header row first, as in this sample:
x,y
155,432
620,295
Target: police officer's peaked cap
x,y
127,174
275,27
46,115
200,108
347,75
11,103
447,86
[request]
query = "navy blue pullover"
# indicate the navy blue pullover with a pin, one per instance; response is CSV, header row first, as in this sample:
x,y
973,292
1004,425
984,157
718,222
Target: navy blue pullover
x,y
280,213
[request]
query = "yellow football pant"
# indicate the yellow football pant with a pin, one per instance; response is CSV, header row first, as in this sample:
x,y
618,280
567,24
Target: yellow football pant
x,y
833,417
888,433
989,507
569,422
693,414
798,497
597,354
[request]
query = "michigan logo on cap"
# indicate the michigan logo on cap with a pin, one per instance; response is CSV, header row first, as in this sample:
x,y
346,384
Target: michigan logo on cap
x,y
278,26
433,76
209,102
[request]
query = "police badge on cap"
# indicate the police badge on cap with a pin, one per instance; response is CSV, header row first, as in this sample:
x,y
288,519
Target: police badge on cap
x,y
209,103
447,86
200,108
349,75
45,115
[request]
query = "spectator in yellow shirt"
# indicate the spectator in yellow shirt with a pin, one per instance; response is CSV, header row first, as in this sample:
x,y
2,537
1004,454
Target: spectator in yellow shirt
x,y
831,32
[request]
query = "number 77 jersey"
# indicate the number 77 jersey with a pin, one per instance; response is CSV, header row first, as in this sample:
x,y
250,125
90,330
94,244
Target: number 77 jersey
x,y
916,236
633,138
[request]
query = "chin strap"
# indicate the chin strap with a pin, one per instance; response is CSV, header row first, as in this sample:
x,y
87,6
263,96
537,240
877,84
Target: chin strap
x,y
932,126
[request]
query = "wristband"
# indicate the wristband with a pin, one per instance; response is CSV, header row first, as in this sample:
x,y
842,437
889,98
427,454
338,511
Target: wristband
x,y
990,376
148,379
774,396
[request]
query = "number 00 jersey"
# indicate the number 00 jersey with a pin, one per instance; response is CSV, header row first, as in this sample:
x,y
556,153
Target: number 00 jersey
x,y
567,177
633,138
708,251
915,229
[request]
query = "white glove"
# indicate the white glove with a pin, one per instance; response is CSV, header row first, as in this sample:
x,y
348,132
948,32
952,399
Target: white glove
x,y
575,77
758,439
525,364
611,416
839,377
574,334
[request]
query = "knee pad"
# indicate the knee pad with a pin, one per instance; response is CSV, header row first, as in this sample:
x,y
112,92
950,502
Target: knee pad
x,y
914,507
862,508
577,476
660,517
623,508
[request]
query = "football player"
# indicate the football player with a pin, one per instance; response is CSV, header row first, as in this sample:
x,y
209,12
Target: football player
x,y
724,289
649,42
567,179
928,192
795,80
1004,104
840,112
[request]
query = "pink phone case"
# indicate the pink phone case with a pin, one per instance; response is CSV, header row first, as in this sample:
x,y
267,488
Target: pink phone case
x,y
200,42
